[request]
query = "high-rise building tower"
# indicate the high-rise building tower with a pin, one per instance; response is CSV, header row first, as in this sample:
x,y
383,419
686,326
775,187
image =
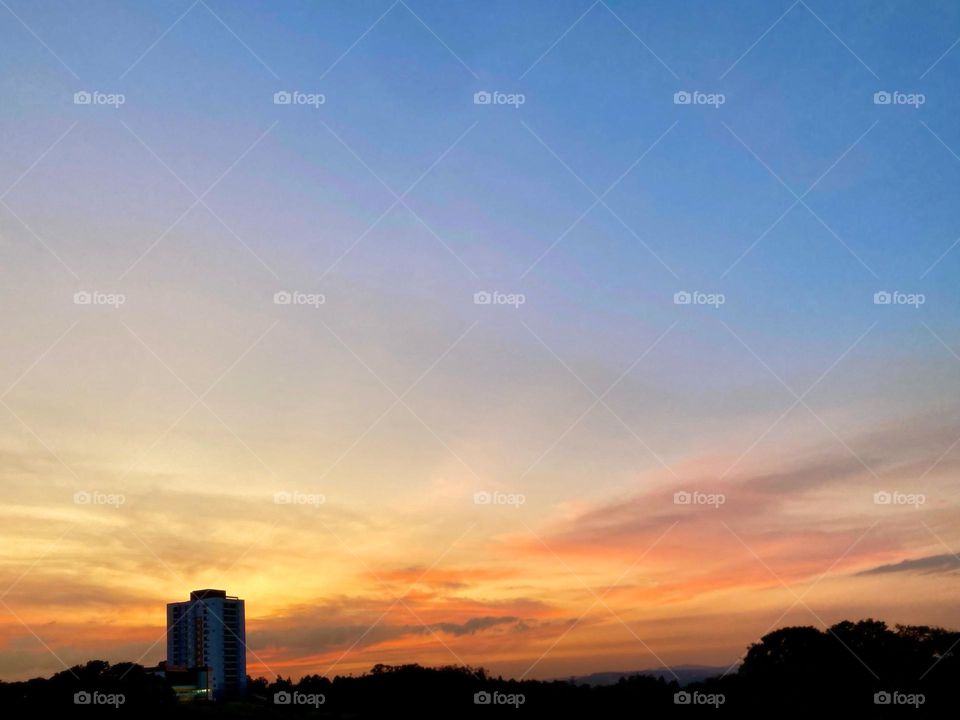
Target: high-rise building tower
x,y
209,630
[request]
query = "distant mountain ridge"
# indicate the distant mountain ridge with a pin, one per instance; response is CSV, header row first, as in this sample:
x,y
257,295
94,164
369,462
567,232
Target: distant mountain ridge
x,y
686,674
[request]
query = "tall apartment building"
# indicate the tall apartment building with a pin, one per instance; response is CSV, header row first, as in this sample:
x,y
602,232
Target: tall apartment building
x,y
209,630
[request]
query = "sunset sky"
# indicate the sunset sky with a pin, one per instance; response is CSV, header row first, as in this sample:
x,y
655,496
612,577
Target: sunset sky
x,y
149,437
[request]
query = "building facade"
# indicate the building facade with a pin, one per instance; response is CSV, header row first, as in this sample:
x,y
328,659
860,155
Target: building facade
x,y
209,631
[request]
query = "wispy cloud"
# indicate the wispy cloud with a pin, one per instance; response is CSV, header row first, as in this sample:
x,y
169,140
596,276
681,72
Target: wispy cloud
x,y
931,564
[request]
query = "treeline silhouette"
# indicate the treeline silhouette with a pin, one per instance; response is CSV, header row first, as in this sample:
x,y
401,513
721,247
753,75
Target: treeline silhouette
x,y
865,667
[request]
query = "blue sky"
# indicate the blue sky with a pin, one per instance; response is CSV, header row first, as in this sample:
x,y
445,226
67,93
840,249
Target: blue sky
x,y
799,99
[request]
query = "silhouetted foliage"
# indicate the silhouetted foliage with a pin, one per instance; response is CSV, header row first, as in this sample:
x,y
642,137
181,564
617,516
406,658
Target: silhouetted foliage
x,y
847,664
842,668
141,692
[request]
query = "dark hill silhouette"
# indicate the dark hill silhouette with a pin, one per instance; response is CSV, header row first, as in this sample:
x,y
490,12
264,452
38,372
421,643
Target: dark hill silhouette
x,y
863,667
683,674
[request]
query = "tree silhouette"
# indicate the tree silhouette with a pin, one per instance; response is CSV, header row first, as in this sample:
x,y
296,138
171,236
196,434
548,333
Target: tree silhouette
x,y
851,666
